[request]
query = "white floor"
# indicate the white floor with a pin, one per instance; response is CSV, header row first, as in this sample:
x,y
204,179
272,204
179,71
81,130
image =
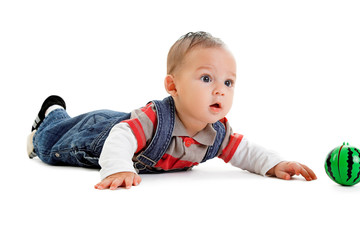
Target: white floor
x,y
213,200
297,93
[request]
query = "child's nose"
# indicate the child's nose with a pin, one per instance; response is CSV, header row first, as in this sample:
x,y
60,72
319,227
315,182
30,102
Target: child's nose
x,y
219,91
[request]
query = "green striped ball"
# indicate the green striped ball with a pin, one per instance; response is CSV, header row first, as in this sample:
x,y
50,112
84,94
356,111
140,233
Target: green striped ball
x,y
342,165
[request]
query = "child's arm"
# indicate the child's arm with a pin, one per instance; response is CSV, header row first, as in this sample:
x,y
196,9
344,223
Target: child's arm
x,y
254,158
124,140
116,159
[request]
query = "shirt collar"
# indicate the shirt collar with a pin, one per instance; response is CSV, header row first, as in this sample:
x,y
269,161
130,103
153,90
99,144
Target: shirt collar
x,y
205,137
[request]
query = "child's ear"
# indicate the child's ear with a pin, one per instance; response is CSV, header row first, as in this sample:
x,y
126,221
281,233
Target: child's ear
x,y
170,85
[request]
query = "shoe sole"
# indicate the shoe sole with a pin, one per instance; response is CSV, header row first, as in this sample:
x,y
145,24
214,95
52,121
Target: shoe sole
x,y
30,145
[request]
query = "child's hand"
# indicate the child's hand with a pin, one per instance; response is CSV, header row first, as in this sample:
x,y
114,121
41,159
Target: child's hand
x,y
121,179
285,170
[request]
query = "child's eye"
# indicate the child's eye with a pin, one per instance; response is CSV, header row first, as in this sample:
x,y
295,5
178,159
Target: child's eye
x,y
205,78
228,83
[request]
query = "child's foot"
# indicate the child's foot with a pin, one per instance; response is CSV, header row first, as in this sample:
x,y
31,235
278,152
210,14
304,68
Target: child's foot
x,y
50,101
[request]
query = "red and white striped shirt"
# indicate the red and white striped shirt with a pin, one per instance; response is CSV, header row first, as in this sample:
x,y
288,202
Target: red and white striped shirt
x,y
128,138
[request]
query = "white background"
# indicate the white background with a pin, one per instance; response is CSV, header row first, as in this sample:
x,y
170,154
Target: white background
x,y
297,93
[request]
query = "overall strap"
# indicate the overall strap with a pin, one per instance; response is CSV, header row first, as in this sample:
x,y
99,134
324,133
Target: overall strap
x,y
165,111
220,135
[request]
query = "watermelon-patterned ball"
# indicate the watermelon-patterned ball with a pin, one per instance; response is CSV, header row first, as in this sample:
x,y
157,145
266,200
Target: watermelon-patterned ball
x,y
342,165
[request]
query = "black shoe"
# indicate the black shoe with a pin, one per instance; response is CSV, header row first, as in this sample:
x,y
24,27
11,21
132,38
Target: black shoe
x,y
52,100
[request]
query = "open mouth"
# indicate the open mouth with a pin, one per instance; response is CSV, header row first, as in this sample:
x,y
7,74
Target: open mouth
x,y
216,107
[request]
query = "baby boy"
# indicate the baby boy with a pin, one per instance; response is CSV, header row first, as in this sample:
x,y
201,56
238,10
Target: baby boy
x,y
175,134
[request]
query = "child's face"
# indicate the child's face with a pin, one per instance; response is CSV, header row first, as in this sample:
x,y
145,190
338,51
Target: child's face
x,y
205,85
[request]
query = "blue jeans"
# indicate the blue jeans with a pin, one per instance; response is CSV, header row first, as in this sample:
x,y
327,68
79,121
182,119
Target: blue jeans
x,y
78,141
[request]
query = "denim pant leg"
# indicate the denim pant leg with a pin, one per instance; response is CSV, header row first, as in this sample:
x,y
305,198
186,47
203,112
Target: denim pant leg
x,y
78,141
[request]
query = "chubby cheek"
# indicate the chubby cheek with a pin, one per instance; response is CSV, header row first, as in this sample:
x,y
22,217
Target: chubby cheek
x,y
229,103
197,103
201,98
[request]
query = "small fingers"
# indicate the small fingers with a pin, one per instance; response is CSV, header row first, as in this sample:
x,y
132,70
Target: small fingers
x,y
123,179
283,175
306,172
116,183
310,172
137,180
103,184
285,170
128,182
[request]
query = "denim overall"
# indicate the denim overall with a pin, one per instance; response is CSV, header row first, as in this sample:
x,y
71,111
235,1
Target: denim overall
x,y
78,141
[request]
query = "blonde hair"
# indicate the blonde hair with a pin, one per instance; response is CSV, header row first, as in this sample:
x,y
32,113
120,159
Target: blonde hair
x,y
186,43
